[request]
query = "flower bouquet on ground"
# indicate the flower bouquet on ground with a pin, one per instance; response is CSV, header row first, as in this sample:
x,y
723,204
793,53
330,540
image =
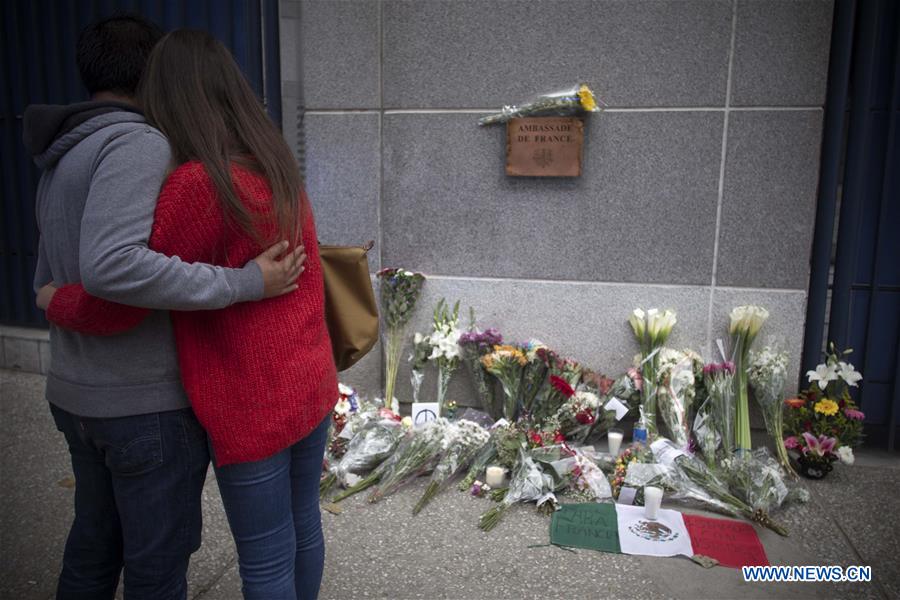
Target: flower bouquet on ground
x,y
465,439
563,376
528,483
676,393
444,341
719,379
824,424
400,291
767,375
534,374
746,321
473,346
577,100
581,414
757,479
691,479
507,363
373,441
485,455
415,456
651,329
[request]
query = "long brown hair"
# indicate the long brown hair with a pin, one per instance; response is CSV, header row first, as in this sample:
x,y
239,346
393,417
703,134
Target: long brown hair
x,y
194,92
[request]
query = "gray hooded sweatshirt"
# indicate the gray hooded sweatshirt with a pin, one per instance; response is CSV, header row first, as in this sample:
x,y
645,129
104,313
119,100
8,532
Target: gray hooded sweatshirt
x,y
103,169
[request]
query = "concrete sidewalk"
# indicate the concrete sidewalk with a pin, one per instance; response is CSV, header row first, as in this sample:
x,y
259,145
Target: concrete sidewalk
x,y
382,551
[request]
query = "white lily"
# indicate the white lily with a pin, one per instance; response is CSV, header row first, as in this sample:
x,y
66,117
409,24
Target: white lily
x,y
637,323
823,375
849,374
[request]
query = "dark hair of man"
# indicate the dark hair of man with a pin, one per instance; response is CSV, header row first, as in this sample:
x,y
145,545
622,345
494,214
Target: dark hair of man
x,y
112,53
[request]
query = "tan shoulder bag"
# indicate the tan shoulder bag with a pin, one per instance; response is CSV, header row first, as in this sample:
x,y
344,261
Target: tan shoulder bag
x,y
350,308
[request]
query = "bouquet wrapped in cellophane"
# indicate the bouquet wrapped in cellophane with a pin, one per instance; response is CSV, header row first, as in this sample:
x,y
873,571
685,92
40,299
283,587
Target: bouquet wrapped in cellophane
x,y
757,479
527,484
691,479
573,101
374,436
719,378
416,455
651,329
400,291
465,439
507,363
676,393
767,376
473,346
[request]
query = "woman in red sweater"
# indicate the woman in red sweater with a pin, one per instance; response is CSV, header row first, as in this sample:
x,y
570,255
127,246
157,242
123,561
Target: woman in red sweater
x,y
260,375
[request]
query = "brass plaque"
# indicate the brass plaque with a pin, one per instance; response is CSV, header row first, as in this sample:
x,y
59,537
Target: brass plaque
x,y
544,146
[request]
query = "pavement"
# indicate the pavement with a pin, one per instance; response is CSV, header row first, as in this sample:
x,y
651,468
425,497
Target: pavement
x,y
382,551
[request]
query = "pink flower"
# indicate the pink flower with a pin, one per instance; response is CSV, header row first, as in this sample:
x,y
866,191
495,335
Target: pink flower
x,y
823,446
791,443
636,378
856,415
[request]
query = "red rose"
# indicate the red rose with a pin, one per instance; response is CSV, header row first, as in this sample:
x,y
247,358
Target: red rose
x,y
558,437
562,386
536,438
585,417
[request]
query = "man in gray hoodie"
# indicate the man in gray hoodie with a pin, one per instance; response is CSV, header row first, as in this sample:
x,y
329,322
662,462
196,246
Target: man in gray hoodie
x,y
139,455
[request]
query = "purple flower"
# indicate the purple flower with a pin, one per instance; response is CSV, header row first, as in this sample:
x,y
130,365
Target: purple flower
x,y
856,415
791,442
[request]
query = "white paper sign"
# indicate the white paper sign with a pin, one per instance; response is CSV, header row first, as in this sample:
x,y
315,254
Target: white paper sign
x,y
664,536
616,405
664,452
422,412
626,495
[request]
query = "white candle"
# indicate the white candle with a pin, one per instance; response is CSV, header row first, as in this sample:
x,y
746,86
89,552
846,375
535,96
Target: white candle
x,y
652,500
615,441
493,476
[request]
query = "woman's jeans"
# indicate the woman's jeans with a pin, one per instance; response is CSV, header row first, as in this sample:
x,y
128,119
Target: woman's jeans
x,y
138,483
273,509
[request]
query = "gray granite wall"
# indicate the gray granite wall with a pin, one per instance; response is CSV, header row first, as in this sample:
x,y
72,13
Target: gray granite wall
x,y
699,177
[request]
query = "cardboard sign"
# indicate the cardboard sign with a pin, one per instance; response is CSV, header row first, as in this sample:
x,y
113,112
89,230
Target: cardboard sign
x,y
422,412
591,526
544,146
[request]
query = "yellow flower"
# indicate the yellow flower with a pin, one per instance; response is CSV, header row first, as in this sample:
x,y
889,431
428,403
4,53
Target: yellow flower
x,y
826,407
586,97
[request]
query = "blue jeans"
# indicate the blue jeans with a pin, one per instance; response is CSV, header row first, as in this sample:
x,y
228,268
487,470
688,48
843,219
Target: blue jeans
x,y
273,509
138,482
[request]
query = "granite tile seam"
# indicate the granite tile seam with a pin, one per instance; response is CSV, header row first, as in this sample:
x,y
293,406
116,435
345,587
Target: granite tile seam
x,y
721,186
610,283
439,111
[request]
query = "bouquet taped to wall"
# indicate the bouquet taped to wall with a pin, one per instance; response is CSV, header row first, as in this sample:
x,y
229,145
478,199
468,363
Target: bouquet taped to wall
x,y
576,100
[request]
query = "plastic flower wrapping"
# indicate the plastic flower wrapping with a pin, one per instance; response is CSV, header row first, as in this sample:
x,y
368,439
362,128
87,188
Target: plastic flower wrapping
x,y
464,440
651,329
576,100
529,483
473,345
676,393
400,291
767,376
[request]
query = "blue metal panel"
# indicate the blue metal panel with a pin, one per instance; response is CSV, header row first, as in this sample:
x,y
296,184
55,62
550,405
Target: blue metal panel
x,y
37,65
865,307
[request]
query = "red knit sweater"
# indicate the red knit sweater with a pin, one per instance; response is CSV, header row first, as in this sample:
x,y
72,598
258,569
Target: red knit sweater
x,y
260,375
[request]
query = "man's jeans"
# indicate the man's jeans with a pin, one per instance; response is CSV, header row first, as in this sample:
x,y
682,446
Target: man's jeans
x,y
138,482
273,509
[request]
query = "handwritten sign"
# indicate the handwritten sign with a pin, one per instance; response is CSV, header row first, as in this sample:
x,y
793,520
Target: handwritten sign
x,y
732,543
544,146
422,412
591,526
